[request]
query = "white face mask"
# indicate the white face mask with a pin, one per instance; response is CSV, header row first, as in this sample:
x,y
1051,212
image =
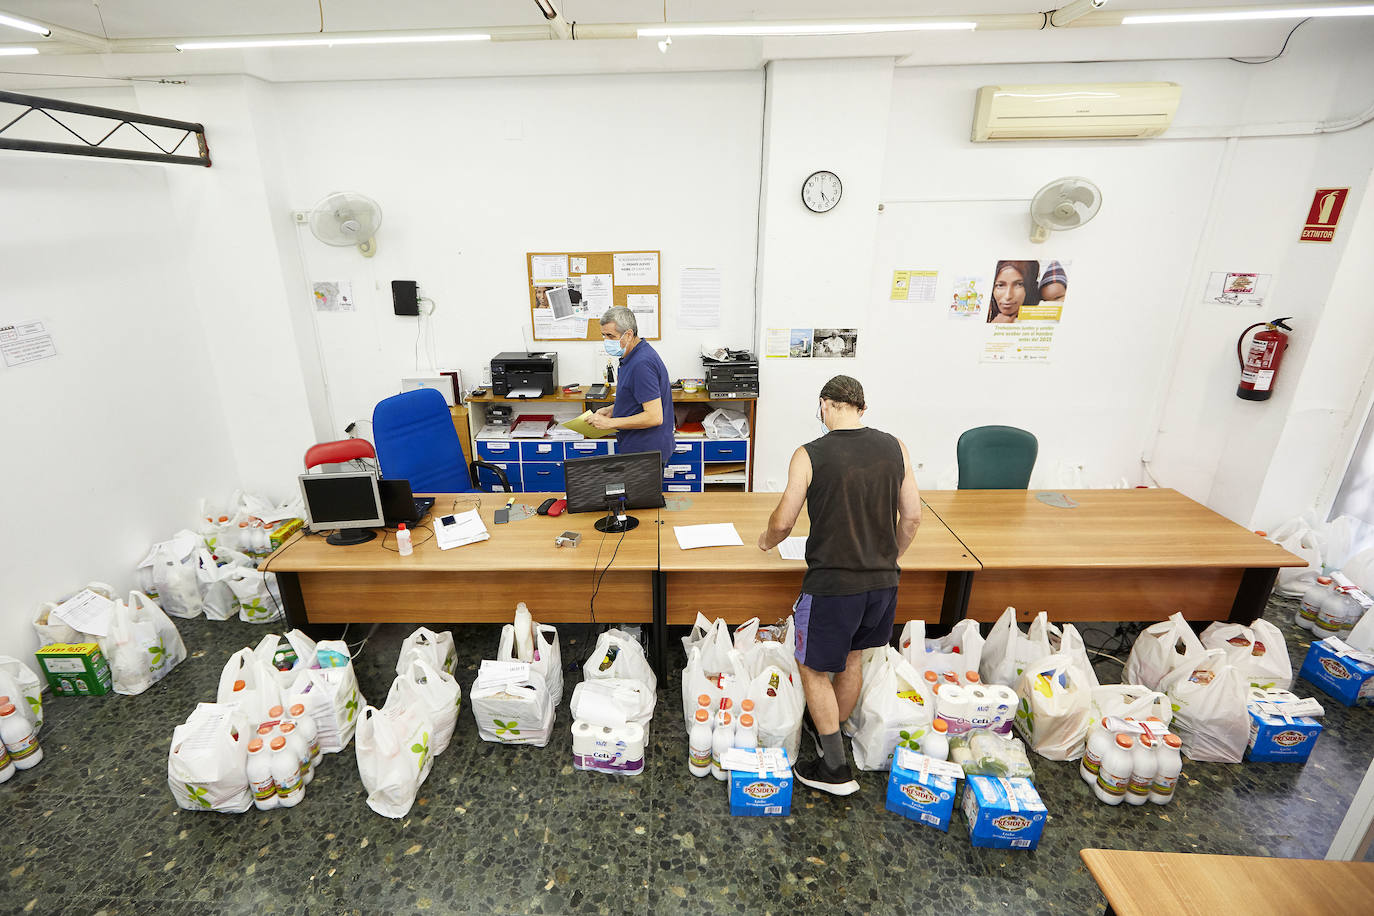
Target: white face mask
x,y
821,419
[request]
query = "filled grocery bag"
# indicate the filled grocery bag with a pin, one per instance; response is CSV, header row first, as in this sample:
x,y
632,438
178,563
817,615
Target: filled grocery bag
x,y
629,699
394,754
618,654
257,593
1125,701
714,669
1209,697
286,655
50,629
437,692
1054,697
435,648
18,681
537,644
1159,649
249,684
1258,652
511,704
143,645
169,574
896,701
328,686
760,646
778,706
1007,650
951,656
206,763
218,601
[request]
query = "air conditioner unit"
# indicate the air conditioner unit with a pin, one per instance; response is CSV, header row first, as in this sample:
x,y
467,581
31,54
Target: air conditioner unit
x,y
1083,111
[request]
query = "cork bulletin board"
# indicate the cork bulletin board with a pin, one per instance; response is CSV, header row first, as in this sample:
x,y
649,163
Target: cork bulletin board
x,y
570,290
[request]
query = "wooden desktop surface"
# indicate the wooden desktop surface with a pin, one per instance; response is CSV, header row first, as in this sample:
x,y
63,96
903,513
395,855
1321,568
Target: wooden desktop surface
x,y
1186,884
479,582
742,582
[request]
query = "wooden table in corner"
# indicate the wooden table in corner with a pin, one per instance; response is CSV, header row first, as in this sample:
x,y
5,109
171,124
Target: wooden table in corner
x,y
1123,555
1187,884
476,583
738,583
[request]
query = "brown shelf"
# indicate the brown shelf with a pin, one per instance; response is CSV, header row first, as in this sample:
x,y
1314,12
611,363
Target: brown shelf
x,y
580,397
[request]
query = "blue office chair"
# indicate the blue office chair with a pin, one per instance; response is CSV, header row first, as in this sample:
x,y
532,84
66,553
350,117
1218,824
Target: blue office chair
x,y
416,441
996,458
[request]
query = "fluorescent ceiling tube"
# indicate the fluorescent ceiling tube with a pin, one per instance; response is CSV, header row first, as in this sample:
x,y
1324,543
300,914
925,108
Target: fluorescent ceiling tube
x,y
26,26
765,30
323,41
1075,10
1290,12
16,52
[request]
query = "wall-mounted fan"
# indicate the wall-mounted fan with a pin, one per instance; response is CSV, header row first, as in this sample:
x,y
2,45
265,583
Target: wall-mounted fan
x,y
1063,204
347,218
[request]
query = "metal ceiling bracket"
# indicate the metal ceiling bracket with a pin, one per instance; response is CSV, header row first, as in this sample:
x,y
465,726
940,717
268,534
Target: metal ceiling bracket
x,y
102,148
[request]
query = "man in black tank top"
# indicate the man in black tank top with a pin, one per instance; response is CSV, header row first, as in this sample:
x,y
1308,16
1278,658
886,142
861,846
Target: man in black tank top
x,y
864,508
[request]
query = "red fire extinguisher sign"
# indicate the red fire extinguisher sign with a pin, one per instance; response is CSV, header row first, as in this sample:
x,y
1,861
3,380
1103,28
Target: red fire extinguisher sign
x,y
1325,212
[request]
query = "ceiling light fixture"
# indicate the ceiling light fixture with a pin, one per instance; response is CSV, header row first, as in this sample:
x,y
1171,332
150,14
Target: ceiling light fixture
x,y
17,52
233,44
1288,12
795,29
25,25
1075,10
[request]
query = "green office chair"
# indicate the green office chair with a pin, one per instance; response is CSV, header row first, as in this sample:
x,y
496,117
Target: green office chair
x,y
996,458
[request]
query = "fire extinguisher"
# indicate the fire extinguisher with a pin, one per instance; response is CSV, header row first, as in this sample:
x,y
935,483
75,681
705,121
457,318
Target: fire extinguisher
x,y
1260,365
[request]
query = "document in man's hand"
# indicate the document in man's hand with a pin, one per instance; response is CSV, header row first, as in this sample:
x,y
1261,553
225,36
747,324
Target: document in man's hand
x,y
583,425
460,529
720,535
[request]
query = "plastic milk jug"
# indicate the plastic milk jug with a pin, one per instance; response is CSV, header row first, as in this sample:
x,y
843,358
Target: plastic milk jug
x,y
935,743
1338,612
1306,616
308,730
297,746
20,740
1098,741
286,773
7,766
699,744
1166,776
722,739
1144,765
1114,774
260,781
747,732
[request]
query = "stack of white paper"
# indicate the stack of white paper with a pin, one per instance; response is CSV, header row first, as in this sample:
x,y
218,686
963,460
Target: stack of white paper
x,y
459,529
719,535
793,548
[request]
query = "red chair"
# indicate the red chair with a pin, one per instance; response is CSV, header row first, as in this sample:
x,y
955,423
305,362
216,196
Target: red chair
x,y
340,452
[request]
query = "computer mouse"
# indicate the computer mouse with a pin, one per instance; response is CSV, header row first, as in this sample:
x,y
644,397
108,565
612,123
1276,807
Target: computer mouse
x,y
545,506
558,506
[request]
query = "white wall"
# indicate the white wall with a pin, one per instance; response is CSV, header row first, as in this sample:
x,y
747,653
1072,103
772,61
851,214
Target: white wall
x,y
109,445
471,174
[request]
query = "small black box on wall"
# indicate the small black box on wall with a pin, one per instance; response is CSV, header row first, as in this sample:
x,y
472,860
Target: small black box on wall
x,y
403,299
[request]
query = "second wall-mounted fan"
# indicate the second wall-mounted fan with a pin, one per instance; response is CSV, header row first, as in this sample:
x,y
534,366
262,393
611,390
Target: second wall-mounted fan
x,y
347,218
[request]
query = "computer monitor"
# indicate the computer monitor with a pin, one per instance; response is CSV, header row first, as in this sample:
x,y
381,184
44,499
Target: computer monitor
x,y
346,502
615,482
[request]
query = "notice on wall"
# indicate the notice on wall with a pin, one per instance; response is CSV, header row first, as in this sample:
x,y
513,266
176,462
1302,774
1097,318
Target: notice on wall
x,y
549,327
1237,288
636,268
1018,343
1323,215
549,269
775,343
577,265
967,299
645,307
596,294
809,343
334,296
25,342
835,343
698,304
914,285
1024,290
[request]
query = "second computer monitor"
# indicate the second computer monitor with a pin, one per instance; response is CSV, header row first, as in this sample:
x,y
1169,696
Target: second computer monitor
x,y
607,482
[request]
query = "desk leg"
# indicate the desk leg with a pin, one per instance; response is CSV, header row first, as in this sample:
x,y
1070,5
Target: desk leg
x,y
954,608
294,601
660,629
1253,594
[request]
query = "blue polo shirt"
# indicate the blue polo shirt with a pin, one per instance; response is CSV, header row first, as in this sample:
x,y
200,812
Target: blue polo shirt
x,y
643,377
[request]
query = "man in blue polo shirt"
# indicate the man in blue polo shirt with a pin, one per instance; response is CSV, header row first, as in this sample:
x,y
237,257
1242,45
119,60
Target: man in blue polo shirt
x,y
642,415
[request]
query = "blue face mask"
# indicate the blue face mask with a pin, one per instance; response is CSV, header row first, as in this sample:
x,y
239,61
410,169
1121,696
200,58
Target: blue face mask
x,y
613,347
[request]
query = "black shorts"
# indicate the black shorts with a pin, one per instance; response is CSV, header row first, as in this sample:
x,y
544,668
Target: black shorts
x,y
829,627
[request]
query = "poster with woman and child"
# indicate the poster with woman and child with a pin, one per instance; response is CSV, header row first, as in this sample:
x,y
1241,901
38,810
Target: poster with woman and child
x,y
1024,304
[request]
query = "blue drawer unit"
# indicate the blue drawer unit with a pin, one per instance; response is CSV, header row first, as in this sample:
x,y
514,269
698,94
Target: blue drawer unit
x,y
684,486
686,453
682,471
498,450
586,448
488,481
542,477
541,450
725,449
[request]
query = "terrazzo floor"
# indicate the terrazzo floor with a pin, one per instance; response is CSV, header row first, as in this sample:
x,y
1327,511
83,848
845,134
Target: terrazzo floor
x,y
517,830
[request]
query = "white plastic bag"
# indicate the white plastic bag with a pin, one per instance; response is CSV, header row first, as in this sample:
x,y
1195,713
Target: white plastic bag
x,y
950,656
1070,643
258,595
896,701
724,423
437,692
250,684
1210,715
778,706
711,639
1258,652
218,599
610,701
1127,700
435,648
1298,536
1362,636
331,694
394,756
1007,650
1053,708
143,645
52,630
730,680
1360,570
511,713
207,760
168,573
547,657
617,654
287,656
24,689
1159,649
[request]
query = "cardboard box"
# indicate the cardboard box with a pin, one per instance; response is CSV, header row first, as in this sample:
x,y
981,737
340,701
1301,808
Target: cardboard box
x,y
75,669
763,789
1003,813
1341,671
1274,738
284,530
920,791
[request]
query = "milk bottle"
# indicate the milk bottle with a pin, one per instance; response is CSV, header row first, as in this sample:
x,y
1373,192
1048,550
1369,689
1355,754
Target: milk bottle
x,y
1170,765
286,773
20,740
699,744
1114,774
1144,765
1306,615
1099,739
260,781
722,739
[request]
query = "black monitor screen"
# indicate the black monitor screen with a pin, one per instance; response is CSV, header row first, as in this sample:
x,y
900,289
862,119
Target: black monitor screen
x,y
640,473
342,500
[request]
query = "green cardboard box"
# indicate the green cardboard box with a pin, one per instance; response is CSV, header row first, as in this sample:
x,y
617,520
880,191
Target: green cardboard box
x,y
75,669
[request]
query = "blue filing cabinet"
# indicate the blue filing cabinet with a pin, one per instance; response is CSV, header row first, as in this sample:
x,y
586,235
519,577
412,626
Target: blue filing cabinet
x,y
536,465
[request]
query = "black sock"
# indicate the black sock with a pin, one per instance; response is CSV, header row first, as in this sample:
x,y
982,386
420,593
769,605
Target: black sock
x,y
832,746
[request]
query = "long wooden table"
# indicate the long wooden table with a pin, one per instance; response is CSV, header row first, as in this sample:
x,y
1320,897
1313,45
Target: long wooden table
x,y
1188,884
1139,554
477,583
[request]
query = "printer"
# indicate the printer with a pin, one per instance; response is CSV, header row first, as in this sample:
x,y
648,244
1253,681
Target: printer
x,y
520,372
731,374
